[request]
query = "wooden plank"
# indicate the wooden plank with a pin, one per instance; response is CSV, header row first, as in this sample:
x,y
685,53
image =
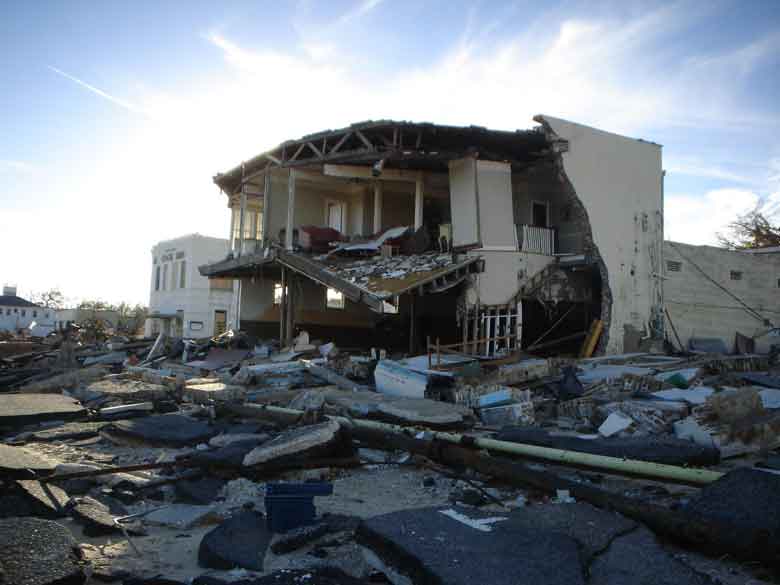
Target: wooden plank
x,y
594,333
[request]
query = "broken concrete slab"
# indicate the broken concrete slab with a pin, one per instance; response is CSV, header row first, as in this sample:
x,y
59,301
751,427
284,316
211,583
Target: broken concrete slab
x,y
240,541
72,379
745,499
689,429
21,463
421,411
67,432
202,491
181,516
638,558
94,516
615,423
457,546
354,403
165,430
17,410
214,390
230,456
38,552
308,400
508,414
697,395
45,500
228,438
298,538
295,443
661,449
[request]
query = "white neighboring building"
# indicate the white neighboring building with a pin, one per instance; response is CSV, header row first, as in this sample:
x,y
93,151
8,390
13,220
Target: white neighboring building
x,y
182,303
17,314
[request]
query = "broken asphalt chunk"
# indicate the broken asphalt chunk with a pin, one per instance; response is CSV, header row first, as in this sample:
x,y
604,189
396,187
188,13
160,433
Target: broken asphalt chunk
x,y
165,430
457,546
240,541
94,516
38,552
658,449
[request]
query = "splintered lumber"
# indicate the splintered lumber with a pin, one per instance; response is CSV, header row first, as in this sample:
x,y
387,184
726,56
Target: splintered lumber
x,y
594,333
603,463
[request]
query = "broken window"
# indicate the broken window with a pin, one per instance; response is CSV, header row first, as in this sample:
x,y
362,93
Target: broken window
x,y
182,274
196,325
334,299
35,314
24,313
673,266
277,293
736,275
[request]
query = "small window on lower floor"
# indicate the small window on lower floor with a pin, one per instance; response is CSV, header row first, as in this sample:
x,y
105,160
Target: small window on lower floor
x,y
673,266
334,299
736,275
196,325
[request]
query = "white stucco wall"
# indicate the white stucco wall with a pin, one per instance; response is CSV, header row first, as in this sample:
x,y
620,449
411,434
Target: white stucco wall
x,y
197,301
619,182
699,308
14,318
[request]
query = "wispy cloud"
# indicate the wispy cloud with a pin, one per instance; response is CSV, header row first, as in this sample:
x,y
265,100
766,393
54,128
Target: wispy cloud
x,y
15,166
361,9
97,91
696,168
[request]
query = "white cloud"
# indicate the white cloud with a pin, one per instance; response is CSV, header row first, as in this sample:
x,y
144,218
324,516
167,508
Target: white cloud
x,y
697,168
153,181
698,219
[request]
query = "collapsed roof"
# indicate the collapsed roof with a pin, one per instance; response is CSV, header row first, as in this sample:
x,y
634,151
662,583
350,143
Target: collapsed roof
x,y
422,146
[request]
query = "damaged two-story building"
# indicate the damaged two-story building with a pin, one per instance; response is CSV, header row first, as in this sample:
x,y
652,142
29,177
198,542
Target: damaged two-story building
x,y
388,233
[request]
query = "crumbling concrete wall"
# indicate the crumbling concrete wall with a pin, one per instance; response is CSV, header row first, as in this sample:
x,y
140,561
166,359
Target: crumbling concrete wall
x,y
700,308
619,183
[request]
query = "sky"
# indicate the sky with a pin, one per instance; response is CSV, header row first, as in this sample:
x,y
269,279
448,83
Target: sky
x,y
114,115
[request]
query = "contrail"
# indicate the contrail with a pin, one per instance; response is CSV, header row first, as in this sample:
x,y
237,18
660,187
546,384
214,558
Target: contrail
x,y
98,91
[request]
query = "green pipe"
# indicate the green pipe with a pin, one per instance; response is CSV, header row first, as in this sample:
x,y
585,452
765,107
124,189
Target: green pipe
x,y
615,465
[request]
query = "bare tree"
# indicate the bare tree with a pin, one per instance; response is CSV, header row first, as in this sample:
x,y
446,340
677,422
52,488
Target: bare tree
x,y
751,230
50,299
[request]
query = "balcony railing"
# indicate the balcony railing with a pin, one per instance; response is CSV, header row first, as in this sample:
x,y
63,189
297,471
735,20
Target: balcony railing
x,y
537,240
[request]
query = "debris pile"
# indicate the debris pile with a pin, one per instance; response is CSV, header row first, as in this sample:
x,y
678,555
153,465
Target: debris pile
x,y
237,460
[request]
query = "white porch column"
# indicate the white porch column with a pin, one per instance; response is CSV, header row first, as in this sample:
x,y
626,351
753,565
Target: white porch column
x,y
418,201
288,234
232,229
378,191
242,213
266,205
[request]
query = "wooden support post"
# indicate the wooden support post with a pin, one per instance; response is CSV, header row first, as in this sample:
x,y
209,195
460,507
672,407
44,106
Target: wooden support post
x,y
418,201
288,234
378,193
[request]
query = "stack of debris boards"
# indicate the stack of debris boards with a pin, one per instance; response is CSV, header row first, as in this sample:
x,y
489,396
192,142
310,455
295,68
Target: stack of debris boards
x,y
267,464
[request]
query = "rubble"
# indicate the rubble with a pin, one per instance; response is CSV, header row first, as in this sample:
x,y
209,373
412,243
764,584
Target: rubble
x,y
187,462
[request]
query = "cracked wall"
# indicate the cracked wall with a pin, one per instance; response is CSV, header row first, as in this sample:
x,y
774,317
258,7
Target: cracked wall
x,y
616,182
